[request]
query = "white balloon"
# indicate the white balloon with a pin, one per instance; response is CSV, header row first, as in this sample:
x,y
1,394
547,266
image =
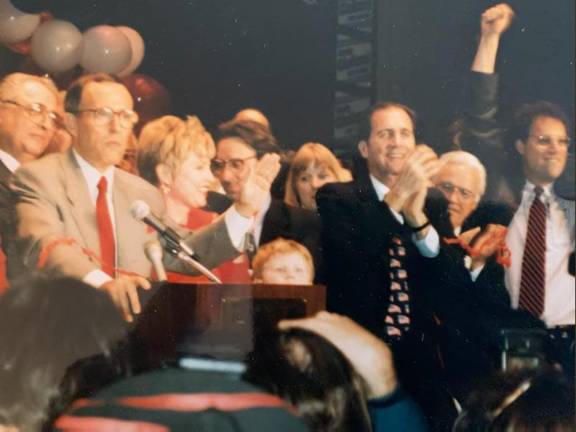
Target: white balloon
x,y
138,49
15,25
106,49
57,46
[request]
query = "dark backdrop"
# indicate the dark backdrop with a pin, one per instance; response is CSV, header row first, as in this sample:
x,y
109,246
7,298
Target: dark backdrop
x,y
216,57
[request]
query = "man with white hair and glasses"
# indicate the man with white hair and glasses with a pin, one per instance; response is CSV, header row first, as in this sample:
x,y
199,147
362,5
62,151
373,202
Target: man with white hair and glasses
x,y
28,119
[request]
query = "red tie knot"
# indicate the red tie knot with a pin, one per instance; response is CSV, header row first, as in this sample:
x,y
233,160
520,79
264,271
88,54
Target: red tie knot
x,y
102,185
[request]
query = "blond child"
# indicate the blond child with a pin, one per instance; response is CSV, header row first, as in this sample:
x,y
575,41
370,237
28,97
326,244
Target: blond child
x,y
283,262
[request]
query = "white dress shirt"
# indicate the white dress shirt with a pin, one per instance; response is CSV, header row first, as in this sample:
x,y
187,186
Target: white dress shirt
x,y
236,224
259,220
429,246
10,161
559,284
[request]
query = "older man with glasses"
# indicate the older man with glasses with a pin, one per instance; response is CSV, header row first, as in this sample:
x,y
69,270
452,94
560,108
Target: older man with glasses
x,y
73,208
28,118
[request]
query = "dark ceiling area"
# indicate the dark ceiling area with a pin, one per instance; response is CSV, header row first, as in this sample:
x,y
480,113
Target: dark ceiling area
x,y
216,57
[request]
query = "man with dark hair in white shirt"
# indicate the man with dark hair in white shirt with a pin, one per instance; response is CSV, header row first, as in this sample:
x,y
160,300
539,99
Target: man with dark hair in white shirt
x,y
525,167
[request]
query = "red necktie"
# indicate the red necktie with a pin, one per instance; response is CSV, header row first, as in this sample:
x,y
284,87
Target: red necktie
x,y
105,230
533,263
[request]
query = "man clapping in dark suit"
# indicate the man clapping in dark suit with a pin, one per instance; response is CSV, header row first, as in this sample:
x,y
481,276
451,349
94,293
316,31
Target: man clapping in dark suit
x,y
378,242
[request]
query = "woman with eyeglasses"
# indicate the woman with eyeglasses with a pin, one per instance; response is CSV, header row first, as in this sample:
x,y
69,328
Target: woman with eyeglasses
x,y
174,155
312,167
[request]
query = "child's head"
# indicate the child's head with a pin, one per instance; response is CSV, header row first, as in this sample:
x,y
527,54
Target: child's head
x,y
283,262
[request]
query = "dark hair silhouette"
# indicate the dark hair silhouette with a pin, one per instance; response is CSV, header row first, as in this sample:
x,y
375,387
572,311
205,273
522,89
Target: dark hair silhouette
x,y
521,401
253,134
46,325
365,126
313,375
525,115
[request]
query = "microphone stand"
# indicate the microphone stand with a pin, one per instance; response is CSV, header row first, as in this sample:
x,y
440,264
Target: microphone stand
x,y
196,265
175,249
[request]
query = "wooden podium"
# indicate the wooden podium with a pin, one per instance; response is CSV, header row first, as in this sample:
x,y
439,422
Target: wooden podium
x,y
213,321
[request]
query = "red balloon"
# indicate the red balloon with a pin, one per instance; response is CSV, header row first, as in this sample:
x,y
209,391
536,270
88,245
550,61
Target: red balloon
x,y
151,99
23,47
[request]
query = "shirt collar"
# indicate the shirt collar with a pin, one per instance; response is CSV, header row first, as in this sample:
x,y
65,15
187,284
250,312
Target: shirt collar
x,y
547,191
10,161
91,174
380,188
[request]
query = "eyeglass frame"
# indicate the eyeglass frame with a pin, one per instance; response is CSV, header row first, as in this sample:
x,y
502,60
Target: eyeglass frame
x,y
112,113
53,116
466,194
547,140
232,161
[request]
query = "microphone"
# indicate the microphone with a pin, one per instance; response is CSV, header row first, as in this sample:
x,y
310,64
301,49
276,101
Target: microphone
x,y
141,211
154,252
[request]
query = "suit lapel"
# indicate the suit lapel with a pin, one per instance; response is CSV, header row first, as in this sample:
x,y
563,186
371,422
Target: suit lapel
x,y
5,174
82,208
127,229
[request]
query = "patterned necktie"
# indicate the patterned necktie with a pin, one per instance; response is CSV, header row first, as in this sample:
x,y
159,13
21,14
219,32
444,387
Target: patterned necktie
x,y
397,319
533,263
105,230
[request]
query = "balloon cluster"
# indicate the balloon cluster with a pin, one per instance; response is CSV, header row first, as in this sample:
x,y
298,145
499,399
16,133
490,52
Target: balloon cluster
x,y
58,46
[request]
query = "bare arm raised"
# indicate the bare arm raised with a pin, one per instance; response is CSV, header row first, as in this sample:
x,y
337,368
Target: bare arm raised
x,y
493,23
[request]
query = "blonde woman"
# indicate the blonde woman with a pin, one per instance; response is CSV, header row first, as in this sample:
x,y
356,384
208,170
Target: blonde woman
x,y
312,167
174,155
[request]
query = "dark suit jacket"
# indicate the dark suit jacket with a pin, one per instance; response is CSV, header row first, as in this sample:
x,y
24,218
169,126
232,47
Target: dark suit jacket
x,y
356,233
283,220
5,196
471,353
7,212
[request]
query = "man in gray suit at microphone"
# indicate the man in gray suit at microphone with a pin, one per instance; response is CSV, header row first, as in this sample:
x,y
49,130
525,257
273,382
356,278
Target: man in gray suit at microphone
x,y
73,208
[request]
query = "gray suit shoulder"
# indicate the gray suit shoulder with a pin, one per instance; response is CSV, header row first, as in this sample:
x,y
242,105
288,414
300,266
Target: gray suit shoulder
x,y
139,189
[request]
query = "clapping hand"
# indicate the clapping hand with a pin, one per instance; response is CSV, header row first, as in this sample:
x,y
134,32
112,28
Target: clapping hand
x,y
257,186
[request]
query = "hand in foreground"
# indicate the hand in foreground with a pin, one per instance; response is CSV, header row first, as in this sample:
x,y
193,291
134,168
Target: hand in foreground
x,y
257,186
371,357
484,246
496,20
124,293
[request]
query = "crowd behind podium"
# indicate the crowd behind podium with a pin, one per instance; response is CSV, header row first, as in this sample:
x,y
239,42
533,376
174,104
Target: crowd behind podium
x,y
450,291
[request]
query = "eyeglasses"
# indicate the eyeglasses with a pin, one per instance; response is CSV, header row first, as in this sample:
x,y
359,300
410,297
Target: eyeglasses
x,y
38,113
103,116
237,164
449,188
547,140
